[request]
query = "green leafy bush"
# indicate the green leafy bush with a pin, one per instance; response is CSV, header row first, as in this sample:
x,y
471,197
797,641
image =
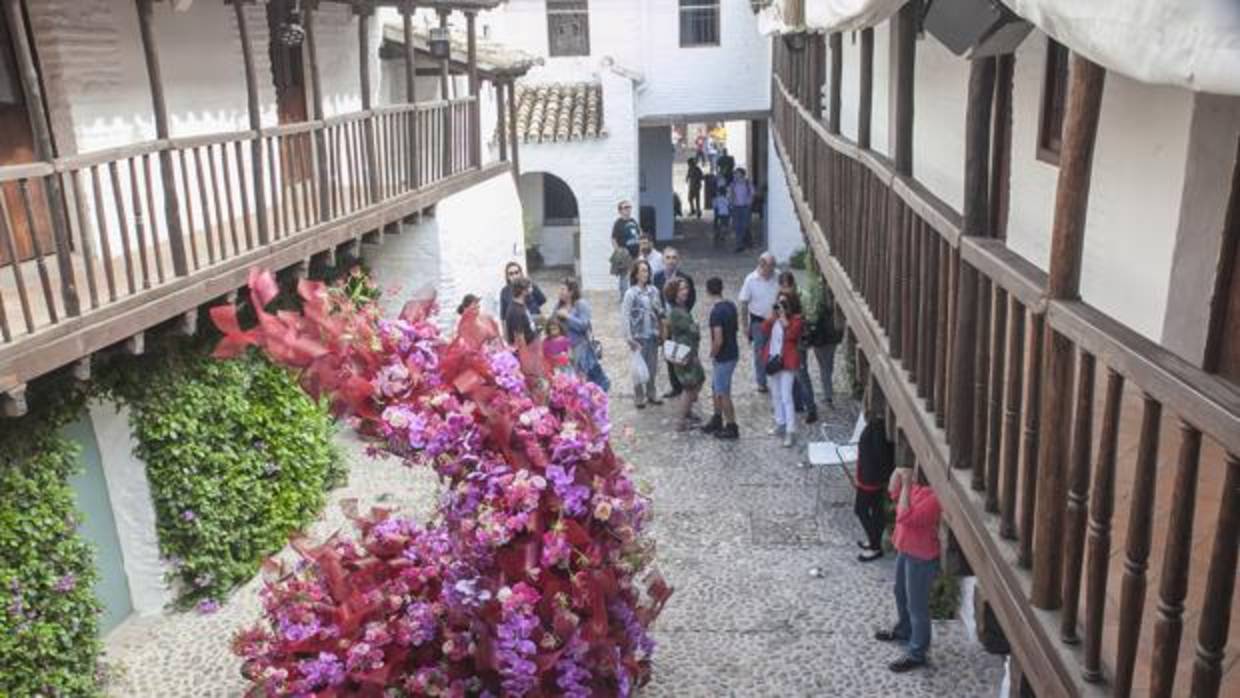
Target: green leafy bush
x,y
945,597
798,259
48,610
237,457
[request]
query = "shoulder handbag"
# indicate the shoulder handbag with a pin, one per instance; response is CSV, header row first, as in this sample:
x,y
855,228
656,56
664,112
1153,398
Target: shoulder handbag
x,y
774,365
676,352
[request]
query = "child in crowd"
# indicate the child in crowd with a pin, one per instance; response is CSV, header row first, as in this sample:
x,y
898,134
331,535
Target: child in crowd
x,y
557,347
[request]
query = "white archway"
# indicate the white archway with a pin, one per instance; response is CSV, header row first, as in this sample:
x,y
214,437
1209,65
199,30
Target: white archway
x,y
552,220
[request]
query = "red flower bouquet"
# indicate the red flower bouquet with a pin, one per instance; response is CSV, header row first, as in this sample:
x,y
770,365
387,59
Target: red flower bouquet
x,y
533,579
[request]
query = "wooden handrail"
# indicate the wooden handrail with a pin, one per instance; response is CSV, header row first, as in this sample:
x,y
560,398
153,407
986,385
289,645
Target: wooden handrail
x,y
9,173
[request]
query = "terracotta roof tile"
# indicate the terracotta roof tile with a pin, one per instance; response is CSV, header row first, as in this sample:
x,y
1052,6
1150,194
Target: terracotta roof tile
x,y
560,112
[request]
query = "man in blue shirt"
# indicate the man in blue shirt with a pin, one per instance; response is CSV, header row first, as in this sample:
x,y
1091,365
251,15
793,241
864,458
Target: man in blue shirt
x,y
626,232
725,352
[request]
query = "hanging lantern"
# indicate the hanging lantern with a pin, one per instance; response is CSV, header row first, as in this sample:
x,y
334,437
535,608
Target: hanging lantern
x,y
440,42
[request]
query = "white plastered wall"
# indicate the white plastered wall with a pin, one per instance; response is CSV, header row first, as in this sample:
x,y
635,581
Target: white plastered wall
x,y
783,227
1137,180
656,155
129,493
850,87
600,171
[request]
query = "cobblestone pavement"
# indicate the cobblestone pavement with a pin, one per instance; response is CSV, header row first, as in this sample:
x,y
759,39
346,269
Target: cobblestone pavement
x,y
738,525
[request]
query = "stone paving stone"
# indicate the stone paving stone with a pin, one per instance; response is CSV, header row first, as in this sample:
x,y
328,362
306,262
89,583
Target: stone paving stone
x,y
739,525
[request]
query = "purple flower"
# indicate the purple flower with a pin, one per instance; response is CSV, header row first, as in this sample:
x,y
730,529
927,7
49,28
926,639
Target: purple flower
x,y
208,606
321,672
66,584
188,515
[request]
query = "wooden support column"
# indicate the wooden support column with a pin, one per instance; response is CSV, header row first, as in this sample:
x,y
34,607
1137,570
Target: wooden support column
x,y
445,147
976,187
43,150
1001,138
316,104
906,49
172,207
512,128
475,121
256,123
1067,241
363,51
837,74
411,89
865,101
501,110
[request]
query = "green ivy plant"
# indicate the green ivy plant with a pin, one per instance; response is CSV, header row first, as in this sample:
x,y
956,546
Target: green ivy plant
x,y
237,456
48,610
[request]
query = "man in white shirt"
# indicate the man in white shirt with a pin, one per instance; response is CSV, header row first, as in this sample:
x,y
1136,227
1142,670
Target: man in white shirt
x,y
757,300
653,257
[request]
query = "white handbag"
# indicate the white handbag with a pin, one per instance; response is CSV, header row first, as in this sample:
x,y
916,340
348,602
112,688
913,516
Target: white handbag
x,y
676,352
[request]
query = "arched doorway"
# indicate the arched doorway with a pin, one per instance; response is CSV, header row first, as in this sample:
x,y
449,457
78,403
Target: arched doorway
x,y
552,221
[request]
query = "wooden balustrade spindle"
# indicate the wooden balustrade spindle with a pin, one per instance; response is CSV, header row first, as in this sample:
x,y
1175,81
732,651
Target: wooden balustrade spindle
x,y
1212,629
101,223
1011,420
994,427
1101,506
981,375
896,281
45,277
1137,548
220,201
139,220
191,240
244,188
83,226
10,249
942,332
1029,447
206,208
1173,581
1077,512
152,217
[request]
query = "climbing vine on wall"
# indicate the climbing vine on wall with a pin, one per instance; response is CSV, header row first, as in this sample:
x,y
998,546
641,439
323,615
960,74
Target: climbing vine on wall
x,y
48,610
237,457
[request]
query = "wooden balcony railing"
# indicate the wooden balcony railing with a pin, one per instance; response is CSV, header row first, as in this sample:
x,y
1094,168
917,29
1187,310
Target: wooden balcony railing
x,y
237,198
1152,502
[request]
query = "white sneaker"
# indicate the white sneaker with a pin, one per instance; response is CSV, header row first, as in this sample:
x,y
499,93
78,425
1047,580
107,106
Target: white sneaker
x,y
775,431
789,438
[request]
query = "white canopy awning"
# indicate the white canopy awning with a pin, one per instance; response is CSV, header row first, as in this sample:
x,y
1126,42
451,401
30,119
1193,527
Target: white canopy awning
x,y
1193,44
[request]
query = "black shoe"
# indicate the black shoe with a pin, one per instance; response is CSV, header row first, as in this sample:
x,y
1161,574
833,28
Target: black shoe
x,y
811,417
641,405
904,664
763,389
714,425
888,636
671,395
729,432
869,555
656,403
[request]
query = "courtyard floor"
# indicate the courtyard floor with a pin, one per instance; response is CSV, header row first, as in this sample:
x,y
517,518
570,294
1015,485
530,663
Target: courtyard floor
x,y
738,528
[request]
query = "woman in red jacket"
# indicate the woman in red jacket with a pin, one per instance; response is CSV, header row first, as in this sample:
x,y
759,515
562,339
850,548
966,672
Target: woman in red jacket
x,y
780,353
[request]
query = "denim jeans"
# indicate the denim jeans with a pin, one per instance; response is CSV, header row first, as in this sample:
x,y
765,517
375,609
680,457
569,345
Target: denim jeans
x,y
825,355
913,579
803,388
758,341
624,285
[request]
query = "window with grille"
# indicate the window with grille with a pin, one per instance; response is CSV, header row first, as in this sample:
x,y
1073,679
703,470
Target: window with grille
x,y
1054,101
699,23
568,28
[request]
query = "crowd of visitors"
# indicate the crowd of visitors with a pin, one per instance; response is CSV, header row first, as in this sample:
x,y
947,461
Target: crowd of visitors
x,y
786,328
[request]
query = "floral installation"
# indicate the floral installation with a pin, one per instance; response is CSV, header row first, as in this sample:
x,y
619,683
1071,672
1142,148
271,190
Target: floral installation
x,y
532,579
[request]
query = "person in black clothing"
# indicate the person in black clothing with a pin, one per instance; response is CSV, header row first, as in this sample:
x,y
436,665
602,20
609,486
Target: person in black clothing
x,y
536,299
694,178
725,352
875,462
671,270
518,327
626,231
726,164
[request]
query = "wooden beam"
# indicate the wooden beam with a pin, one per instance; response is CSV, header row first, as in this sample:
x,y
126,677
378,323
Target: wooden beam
x,y
976,185
1216,332
320,136
837,76
475,121
172,207
256,124
905,36
14,401
23,48
865,101
1063,283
